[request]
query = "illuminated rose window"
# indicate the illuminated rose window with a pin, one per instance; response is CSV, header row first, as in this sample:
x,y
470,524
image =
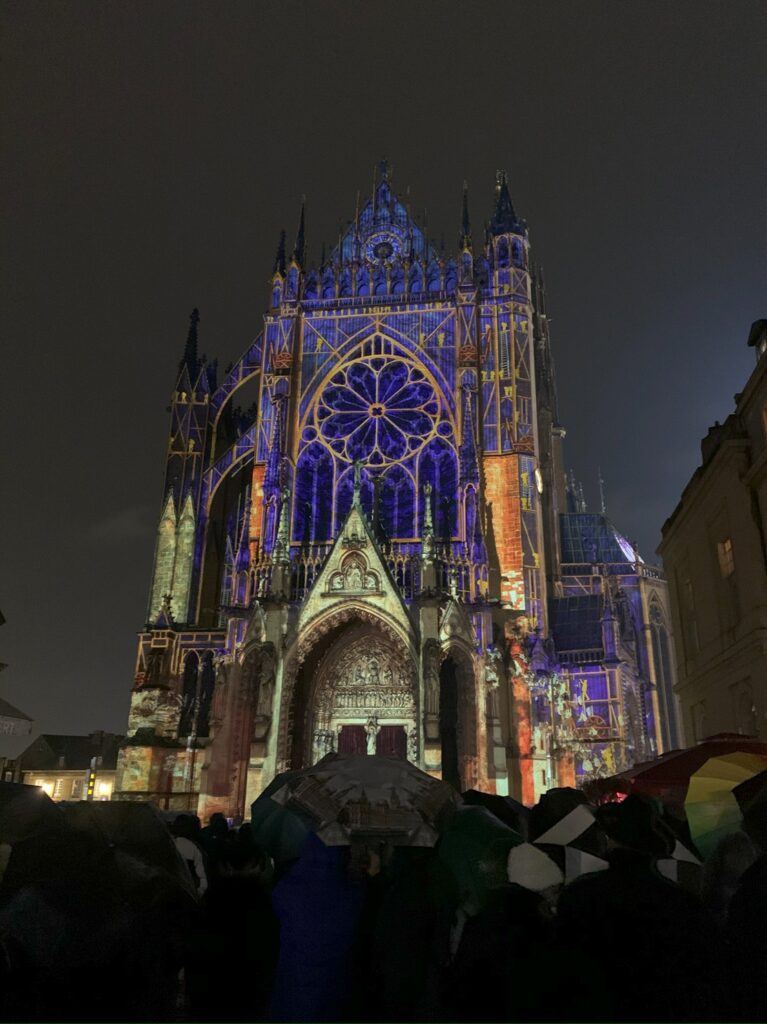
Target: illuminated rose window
x,y
377,410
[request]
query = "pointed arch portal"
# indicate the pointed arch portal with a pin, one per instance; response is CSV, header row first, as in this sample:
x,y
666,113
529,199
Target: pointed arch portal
x,y
355,691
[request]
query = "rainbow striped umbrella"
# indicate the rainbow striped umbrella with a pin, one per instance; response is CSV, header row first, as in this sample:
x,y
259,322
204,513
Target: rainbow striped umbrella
x,y
711,806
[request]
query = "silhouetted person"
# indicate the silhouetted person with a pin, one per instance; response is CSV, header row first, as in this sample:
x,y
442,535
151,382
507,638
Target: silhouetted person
x,y
236,946
186,835
723,871
747,917
90,933
655,953
215,838
318,902
396,938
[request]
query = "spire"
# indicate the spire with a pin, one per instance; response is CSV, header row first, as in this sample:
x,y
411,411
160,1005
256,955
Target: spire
x,y
279,259
469,465
299,250
243,548
190,360
274,457
464,239
504,218
602,505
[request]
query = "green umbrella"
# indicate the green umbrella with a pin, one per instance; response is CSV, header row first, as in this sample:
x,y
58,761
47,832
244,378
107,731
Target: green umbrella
x,y
279,829
474,847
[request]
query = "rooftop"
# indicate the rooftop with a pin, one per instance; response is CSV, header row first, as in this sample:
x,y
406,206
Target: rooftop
x,y
575,622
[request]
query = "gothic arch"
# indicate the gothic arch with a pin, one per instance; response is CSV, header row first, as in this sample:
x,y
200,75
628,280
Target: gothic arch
x,y
458,717
321,635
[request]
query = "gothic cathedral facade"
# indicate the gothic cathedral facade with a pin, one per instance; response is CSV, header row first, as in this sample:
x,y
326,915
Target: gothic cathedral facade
x,y
382,552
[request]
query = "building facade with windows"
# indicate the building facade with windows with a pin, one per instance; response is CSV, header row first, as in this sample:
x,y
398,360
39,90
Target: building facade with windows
x,y
71,767
368,556
715,555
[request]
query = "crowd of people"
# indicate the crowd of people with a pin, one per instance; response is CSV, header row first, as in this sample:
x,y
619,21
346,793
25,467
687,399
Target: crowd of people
x,y
593,916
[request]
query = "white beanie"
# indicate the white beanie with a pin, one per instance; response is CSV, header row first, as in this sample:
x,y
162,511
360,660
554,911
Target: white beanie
x,y
532,868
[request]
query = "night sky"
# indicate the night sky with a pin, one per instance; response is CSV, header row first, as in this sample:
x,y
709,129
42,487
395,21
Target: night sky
x,y
152,152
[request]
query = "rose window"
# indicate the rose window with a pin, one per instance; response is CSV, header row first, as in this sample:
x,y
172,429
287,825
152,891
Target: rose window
x,y
378,410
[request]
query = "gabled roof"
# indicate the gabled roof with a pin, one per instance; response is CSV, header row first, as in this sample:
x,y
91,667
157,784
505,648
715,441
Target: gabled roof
x,y
589,537
385,215
47,751
373,586
9,711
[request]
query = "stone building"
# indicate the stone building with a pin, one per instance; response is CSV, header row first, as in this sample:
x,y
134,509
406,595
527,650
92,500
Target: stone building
x,y
71,767
715,556
369,556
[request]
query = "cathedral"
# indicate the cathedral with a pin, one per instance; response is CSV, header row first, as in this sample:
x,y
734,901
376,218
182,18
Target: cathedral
x,y
382,553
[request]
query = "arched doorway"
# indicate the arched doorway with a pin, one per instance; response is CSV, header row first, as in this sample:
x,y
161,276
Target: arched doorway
x,y
354,692
458,721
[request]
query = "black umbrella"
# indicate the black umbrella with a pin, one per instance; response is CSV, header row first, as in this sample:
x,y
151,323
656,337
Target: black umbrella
x,y
508,810
26,811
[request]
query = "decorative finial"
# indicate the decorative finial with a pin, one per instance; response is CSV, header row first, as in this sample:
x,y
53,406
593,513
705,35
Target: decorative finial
x,y
299,250
357,482
279,259
427,541
282,544
190,360
464,240
167,607
504,219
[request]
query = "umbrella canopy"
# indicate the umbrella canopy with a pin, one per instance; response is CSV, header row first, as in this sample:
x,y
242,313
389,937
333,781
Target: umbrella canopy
x,y
134,830
751,791
280,829
354,796
711,805
511,812
26,811
475,846
668,776
574,841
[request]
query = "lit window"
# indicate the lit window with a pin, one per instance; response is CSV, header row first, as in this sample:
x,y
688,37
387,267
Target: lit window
x,y
77,788
57,789
105,790
726,558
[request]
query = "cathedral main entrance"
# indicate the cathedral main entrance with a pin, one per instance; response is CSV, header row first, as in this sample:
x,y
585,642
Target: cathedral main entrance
x,y
355,693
